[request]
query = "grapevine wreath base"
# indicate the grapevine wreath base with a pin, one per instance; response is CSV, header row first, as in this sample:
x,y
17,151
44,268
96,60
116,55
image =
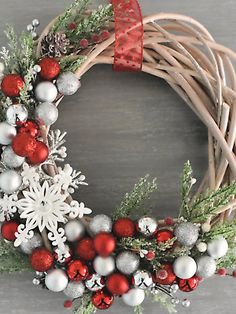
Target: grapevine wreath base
x,y
130,254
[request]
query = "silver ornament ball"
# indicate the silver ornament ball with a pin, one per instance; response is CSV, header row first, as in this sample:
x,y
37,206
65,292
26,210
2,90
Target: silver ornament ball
x,y
74,289
217,248
127,262
56,280
34,35
74,230
147,226
35,22
94,283
100,223
206,266
104,265
31,244
46,113
186,303
10,159
16,114
7,132
10,181
68,83
29,28
142,279
46,92
37,68
134,297
186,233
184,267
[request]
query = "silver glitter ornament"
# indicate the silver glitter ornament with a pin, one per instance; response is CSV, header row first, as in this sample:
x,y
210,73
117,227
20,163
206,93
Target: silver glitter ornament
x,y
184,267
36,282
10,181
7,132
74,289
100,223
46,92
147,226
94,283
142,279
56,280
206,266
16,114
10,159
68,83
74,230
127,262
29,28
217,248
104,265
33,243
46,113
134,297
186,233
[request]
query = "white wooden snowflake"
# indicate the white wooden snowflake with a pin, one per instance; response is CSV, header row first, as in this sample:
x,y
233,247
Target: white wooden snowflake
x,y
8,206
29,174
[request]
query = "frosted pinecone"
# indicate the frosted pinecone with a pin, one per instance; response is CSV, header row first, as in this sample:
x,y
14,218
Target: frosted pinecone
x,y
55,45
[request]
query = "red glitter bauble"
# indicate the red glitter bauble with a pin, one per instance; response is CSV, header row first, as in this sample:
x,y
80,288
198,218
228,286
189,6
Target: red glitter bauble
x,y
23,144
85,249
124,228
39,154
8,230
188,285
164,276
30,127
117,284
104,243
50,68
222,272
68,304
12,84
164,235
102,300
41,259
77,270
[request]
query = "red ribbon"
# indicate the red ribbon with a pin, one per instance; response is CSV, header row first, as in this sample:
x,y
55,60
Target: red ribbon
x,y
128,55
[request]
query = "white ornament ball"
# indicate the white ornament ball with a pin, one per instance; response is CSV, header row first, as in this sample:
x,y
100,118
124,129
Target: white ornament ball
x,y
206,227
95,282
16,114
202,247
186,303
68,83
31,244
35,22
7,132
46,113
37,68
56,280
186,233
10,159
74,289
2,67
74,230
134,297
142,279
127,262
100,223
104,265
46,92
184,267
206,266
147,226
10,181
217,248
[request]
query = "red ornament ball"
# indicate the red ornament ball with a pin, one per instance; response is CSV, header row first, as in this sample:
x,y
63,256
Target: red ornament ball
x,y
164,235
104,243
117,284
164,276
96,38
77,270
68,304
124,228
188,285
23,144
71,26
222,272
50,68
105,34
169,221
39,154
150,255
41,259
8,230
102,300
84,43
85,249
30,127
12,84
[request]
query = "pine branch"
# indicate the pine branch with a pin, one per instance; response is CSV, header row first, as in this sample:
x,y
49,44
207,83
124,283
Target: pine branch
x,y
85,306
164,301
138,309
228,261
226,230
69,64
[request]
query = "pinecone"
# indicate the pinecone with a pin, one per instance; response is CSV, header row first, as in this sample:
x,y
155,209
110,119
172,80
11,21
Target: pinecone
x,y
55,45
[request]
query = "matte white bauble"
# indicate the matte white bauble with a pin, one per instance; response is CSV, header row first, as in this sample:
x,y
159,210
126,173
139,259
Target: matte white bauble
x,y
7,132
74,230
46,113
217,248
68,83
46,92
184,267
134,297
104,265
10,181
16,114
56,280
10,159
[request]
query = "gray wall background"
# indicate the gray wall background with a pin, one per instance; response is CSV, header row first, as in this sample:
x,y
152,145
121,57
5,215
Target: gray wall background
x,y
122,126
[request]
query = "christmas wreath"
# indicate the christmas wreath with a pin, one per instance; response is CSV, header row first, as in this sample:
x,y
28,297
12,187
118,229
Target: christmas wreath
x,y
130,254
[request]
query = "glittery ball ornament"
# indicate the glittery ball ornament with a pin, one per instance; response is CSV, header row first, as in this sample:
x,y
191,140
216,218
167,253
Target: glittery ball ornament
x,y
186,233
124,228
104,266
30,127
68,83
147,226
8,230
74,289
77,270
16,115
104,243
7,133
127,262
46,113
134,297
41,259
100,223
165,275
74,230
184,267
10,159
56,280
94,282
30,245
164,235
46,92
39,154
206,266
142,279
50,68
23,144
217,248
188,285
117,284
85,249
11,85
10,181
102,300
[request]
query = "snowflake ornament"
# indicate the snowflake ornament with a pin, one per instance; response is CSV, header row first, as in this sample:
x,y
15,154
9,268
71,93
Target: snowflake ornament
x,y
56,141
30,175
78,210
8,206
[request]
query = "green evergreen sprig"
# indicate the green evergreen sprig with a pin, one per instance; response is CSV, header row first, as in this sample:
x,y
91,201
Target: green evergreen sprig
x,y
226,230
69,63
228,261
138,309
164,300
85,305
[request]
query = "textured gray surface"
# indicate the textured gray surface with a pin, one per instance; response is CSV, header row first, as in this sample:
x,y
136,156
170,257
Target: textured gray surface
x,y
122,126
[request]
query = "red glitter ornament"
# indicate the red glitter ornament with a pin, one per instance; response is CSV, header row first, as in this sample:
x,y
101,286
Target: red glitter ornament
x,y
164,276
102,300
104,243
8,230
77,270
12,84
68,304
30,127
222,272
169,221
117,284
188,285
41,259
84,43
164,235
39,154
50,68
124,228
23,144
85,249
